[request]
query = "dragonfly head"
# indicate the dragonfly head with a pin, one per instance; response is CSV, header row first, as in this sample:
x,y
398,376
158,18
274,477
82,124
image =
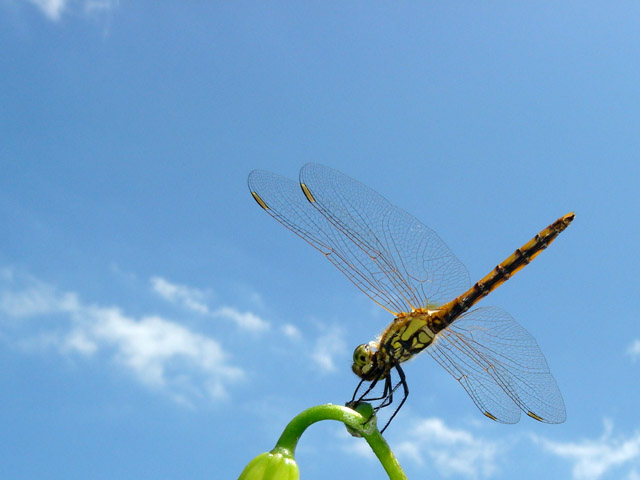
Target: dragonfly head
x,y
363,361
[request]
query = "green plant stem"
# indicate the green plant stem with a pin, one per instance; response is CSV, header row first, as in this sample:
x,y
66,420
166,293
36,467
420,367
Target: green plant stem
x,y
355,421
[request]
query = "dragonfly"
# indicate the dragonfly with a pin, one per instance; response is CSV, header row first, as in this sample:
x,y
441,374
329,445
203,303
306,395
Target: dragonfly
x,y
404,267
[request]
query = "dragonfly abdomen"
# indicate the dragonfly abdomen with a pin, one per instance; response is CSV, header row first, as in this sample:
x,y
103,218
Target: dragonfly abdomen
x,y
502,272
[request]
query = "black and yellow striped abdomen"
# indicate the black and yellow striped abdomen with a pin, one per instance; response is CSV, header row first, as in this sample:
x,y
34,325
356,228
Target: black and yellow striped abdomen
x,y
513,264
412,332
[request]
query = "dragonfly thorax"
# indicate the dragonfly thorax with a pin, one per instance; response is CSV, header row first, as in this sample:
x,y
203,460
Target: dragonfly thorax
x,y
406,336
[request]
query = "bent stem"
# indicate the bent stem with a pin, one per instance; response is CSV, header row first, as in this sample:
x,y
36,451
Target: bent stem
x,y
356,422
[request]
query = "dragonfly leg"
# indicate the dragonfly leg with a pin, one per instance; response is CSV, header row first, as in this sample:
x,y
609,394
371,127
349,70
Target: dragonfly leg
x,y
362,397
353,399
405,387
387,395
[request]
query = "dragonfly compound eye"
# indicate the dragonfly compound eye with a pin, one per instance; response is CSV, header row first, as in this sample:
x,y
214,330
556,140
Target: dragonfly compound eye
x,y
362,355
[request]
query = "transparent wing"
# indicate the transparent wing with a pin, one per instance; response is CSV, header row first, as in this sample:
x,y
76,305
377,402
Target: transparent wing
x,y
500,366
403,257
284,200
392,257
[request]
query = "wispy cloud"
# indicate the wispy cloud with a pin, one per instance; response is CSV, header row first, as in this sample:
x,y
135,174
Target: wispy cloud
x,y
195,300
291,331
158,352
36,298
452,451
54,9
327,346
634,350
244,320
593,458
99,6
190,298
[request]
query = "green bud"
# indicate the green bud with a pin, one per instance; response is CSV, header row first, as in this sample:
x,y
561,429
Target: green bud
x,y
273,465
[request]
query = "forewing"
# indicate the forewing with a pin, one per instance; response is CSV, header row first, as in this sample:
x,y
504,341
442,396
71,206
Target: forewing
x,y
284,200
500,366
396,253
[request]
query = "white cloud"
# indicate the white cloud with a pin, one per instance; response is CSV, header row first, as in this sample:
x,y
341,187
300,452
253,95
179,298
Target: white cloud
x,y
189,298
79,341
362,449
593,458
54,9
351,446
327,346
99,6
291,331
194,300
51,8
245,321
452,451
37,298
155,350
634,350
159,353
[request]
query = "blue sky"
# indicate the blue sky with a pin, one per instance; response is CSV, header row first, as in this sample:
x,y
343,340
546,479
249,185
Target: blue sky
x,y
155,323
